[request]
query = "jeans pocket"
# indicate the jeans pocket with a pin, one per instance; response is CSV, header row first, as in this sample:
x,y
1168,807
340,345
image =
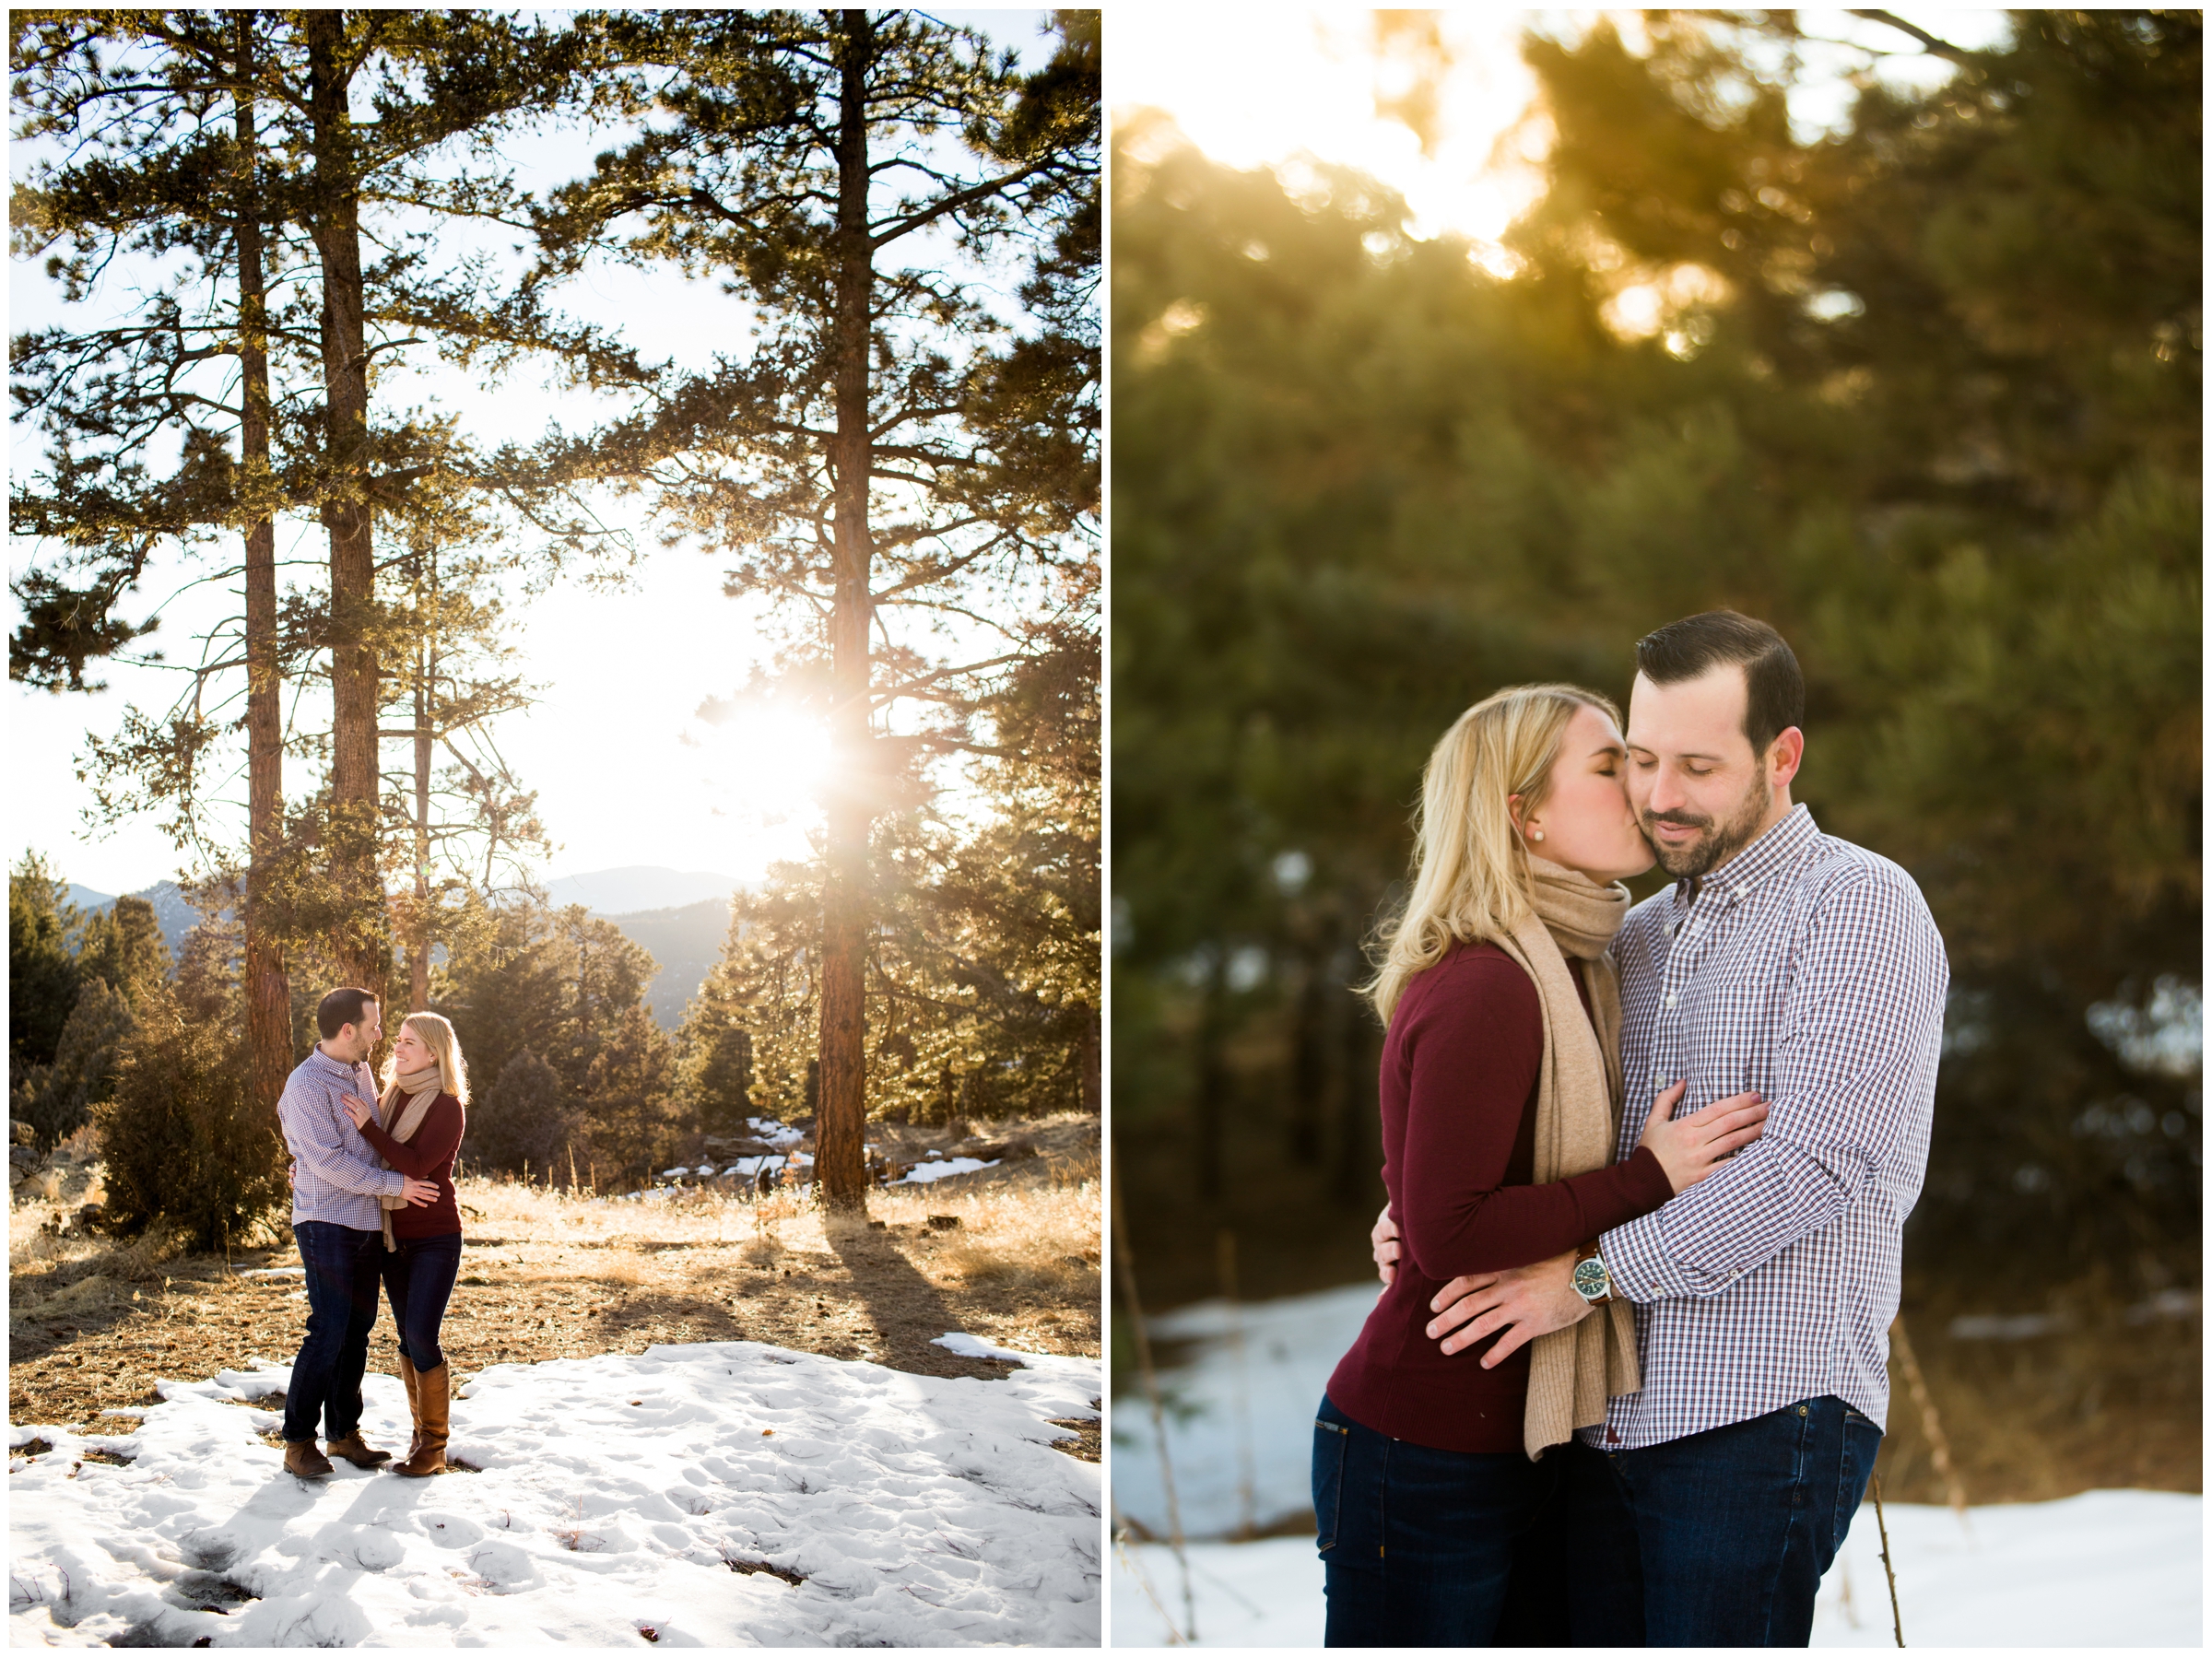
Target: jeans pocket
x,y
1330,1443
1862,1443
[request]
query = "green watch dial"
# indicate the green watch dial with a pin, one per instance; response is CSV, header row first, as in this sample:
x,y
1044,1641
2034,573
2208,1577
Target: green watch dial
x,y
1591,1281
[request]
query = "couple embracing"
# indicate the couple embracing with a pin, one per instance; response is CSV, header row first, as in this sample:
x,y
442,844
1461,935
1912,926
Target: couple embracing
x,y
373,1207
1648,1170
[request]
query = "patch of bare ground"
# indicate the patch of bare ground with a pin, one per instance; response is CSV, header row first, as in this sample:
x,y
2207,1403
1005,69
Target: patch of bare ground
x,y
544,1273
2110,1397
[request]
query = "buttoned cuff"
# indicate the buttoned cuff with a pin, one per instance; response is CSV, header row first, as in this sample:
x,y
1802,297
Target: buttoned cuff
x,y
1637,1261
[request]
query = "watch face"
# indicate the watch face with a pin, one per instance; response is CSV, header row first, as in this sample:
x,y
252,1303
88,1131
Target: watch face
x,y
1591,1278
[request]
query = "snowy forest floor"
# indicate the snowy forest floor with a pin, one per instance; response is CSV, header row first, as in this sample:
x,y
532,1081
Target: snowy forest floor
x,y
2110,1568
93,1320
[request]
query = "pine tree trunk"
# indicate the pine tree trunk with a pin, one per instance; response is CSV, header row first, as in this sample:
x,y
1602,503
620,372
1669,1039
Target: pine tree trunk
x,y
841,1122
419,945
1309,1054
1094,1080
268,993
1212,1083
359,945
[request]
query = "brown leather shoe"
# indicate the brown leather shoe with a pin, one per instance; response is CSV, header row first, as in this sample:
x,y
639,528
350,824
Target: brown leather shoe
x,y
303,1459
408,1376
358,1450
434,1405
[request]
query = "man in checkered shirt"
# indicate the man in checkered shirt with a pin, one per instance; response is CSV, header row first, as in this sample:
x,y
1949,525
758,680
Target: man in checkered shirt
x,y
1789,963
338,1224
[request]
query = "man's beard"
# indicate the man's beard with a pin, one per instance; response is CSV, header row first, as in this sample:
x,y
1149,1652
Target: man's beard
x,y
1717,844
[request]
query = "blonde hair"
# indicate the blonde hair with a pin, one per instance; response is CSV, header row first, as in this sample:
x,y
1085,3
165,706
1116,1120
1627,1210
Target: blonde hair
x,y
445,1047
1470,866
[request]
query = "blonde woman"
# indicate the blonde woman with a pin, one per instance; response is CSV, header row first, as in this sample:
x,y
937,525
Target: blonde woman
x,y
416,1127
1501,1087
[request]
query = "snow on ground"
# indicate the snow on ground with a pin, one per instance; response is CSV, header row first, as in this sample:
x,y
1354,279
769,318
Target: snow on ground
x,y
2111,1568
749,1168
1236,1401
769,1132
672,1492
923,1172
1250,1593
1240,1383
782,1141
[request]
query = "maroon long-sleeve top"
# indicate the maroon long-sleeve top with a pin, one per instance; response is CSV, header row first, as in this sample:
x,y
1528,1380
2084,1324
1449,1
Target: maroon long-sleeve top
x,y
428,1156
1460,1072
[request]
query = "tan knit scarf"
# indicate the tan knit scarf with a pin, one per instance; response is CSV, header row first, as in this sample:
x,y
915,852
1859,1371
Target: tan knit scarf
x,y
418,1089
1572,1371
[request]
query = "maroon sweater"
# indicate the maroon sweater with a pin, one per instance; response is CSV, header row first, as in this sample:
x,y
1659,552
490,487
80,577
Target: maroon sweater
x,y
1460,1069
428,1156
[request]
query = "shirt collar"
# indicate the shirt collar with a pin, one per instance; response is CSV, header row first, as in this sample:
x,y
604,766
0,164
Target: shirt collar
x,y
1773,851
317,1052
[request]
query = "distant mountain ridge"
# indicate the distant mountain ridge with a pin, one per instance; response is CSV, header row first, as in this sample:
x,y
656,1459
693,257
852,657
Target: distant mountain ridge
x,y
685,941
173,912
681,916
640,886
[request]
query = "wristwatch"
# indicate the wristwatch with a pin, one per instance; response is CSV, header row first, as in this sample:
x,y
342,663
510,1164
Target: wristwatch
x,y
1591,1281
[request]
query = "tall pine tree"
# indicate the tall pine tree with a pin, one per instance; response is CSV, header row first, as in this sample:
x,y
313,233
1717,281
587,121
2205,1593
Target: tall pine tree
x,y
148,170
899,441
136,103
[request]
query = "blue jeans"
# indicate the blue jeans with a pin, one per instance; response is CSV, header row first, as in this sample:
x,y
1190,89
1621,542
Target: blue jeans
x,y
418,1278
342,1268
1737,1525
1585,1554
1432,1547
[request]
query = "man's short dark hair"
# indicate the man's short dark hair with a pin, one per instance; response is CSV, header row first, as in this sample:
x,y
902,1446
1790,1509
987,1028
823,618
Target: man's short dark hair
x,y
1687,649
340,1008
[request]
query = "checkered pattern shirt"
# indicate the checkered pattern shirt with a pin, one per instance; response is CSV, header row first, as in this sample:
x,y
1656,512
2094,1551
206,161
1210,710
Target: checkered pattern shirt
x,y
335,1176
1809,970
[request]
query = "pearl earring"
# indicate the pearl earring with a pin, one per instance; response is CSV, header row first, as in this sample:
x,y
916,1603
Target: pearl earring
x,y
1535,834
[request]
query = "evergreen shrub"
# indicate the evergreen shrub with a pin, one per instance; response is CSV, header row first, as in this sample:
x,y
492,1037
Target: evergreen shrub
x,y
56,1099
181,1137
524,1117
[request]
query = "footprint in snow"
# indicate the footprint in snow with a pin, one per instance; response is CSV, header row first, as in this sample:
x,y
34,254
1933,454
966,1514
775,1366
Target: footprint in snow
x,y
450,1529
377,1550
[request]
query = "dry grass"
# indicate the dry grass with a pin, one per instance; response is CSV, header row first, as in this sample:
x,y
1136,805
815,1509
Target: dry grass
x,y
2100,1403
548,1275
1044,1239
56,1269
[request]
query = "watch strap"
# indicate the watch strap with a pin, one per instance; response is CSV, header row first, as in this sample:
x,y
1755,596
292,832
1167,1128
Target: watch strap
x,y
1589,1252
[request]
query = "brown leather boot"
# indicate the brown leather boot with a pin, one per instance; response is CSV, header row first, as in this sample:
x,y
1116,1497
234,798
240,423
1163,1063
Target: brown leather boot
x,y
357,1450
433,1406
408,1379
303,1459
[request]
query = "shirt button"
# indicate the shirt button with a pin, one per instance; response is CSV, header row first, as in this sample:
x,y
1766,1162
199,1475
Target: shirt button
x,y
1670,1000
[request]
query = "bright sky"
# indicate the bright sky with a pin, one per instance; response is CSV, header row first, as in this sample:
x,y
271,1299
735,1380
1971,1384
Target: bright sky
x,y
1260,86
1303,82
627,772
